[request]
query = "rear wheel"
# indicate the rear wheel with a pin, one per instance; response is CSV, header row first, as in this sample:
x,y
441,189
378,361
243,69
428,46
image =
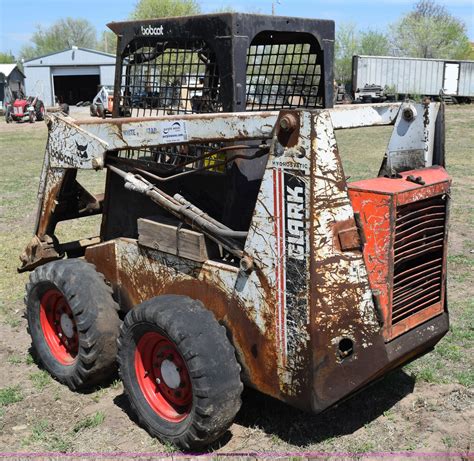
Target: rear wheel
x,y
179,371
8,115
40,111
73,322
100,111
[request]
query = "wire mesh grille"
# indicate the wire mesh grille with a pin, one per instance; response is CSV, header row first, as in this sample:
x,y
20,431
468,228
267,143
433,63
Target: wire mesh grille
x,y
418,257
172,159
282,75
170,78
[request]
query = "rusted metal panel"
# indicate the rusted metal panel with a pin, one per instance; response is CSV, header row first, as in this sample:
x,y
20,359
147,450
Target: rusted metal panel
x,y
412,142
297,297
358,116
405,252
139,273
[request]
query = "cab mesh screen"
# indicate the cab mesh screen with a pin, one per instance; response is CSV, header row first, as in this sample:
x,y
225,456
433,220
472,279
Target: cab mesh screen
x,y
170,78
283,75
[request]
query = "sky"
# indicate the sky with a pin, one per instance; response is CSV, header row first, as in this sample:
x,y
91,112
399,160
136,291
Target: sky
x,y
19,18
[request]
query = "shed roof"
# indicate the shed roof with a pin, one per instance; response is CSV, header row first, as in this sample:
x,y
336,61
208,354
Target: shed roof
x,y
7,69
106,58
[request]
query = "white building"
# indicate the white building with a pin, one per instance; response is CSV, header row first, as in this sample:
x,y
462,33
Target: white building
x,y
70,76
12,81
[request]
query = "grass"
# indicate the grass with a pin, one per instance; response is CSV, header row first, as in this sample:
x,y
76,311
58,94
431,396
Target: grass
x,y
14,359
91,421
44,434
10,395
452,361
361,150
40,379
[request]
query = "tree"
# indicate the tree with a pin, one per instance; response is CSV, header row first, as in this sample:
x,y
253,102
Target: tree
x,y
373,43
7,58
147,9
108,42
63,34
346,46
430,31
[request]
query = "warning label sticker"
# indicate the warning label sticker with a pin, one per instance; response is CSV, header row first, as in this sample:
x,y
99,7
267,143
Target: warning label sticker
x,y
173,131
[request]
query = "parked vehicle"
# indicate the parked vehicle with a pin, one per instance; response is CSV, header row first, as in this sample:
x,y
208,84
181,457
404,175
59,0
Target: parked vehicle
x,y
414,76
103,103
25,109
233,250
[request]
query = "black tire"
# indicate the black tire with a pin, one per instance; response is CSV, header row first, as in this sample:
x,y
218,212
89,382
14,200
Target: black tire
x,y
64,108
93,110
211,367
32,116
39,108
100,111
8,115
94,318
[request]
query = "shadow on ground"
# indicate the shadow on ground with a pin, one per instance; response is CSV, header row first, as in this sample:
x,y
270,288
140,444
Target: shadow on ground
x,y
302,429
299,428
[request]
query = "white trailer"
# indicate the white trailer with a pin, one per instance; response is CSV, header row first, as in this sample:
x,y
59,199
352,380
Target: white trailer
x,y
413,76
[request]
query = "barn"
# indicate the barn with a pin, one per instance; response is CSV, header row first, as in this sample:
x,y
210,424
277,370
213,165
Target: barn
x,y
70,76
12,81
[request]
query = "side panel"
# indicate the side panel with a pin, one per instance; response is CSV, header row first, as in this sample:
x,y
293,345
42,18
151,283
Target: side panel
x,y
466,79
408,76
376,214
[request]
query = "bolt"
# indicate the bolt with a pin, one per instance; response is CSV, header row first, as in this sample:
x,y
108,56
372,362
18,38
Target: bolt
x,y
60,334
288,122
246,264
158,381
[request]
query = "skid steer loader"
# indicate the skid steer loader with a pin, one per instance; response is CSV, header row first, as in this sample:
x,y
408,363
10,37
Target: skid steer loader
x,y
232,248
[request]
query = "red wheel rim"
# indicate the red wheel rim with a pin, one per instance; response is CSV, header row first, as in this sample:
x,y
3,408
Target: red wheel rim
x,y
163,377
59,326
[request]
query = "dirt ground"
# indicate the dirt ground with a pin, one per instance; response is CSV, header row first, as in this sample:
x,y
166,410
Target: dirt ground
x,y
424,408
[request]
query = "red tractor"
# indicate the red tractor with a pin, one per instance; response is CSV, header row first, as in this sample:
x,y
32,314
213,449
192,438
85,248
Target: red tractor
x,y
25,109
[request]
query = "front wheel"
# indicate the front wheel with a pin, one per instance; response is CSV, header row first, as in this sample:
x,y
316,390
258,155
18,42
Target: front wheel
x,y
73,322
179,370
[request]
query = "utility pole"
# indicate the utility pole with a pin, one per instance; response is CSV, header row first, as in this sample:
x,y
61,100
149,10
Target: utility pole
x,y
273,6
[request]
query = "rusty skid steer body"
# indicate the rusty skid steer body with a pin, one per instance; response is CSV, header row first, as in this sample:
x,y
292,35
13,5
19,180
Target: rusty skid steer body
x,y
322,285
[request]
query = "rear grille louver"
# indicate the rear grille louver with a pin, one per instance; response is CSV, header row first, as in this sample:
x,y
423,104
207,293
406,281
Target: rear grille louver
x,y
418,256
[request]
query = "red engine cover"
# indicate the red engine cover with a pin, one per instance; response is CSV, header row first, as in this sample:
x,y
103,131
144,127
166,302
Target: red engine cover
x,y
20,103
405,229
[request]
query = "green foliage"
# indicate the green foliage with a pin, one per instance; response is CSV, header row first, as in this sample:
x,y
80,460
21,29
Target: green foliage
x,y
108,42
347,45
62,35
430,31
40,379
9,395
91,421
147,9
373,43
350,42
7,58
